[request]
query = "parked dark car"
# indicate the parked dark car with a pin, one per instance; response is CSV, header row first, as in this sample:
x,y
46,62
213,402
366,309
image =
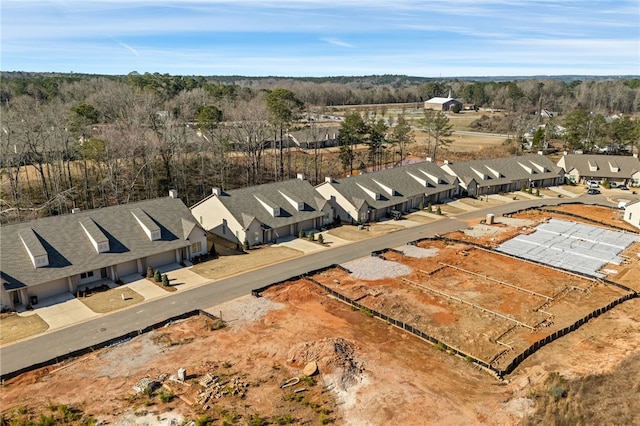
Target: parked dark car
x,y
623,187
593,191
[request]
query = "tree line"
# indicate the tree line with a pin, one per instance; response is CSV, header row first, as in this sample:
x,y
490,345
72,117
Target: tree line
x,y
84,141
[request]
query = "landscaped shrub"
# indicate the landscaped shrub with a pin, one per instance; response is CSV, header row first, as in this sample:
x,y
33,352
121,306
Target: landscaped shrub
x,y
245,245
165,280
149,272
301,233
157,277
438,211
429,208
537,192
312,236
320,239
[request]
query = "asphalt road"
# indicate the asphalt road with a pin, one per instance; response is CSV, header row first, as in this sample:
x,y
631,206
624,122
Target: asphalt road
x,y
481,134
60,343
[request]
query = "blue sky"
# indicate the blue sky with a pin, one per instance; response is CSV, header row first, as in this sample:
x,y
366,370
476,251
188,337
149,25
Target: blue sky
x,y
438,38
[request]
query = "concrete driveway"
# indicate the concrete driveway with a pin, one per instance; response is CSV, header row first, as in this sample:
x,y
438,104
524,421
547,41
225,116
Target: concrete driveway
x,y
182,278
61,311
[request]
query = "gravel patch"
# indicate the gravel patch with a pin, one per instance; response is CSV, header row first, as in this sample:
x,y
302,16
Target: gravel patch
x,y
243,310
512,221
130,418
121,360
418,252
479,231
374,268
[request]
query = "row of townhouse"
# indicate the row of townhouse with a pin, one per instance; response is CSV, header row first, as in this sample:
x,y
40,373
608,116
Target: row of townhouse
x,y
618,169
46,257
264,213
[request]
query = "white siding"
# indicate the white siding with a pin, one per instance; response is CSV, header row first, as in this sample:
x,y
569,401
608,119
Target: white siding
x,y
198,235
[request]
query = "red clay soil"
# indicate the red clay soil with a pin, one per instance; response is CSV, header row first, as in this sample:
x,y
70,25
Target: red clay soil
x,y
499,287
603,215
370,373
398,379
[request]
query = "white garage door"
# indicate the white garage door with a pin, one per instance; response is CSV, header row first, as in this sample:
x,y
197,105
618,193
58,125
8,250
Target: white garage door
x,y
127,268
283,231
49,289
161,259
307,224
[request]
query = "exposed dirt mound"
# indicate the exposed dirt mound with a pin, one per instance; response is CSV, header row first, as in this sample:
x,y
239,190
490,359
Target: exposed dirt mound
x,y
333,355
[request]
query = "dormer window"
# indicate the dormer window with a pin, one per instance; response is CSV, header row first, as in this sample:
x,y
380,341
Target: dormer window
x,y
36,251
150,228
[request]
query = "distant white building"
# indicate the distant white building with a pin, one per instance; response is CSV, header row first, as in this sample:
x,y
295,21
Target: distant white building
x,y
632,213
443,104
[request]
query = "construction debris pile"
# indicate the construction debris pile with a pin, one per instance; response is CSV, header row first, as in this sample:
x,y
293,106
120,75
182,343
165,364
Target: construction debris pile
x,y
335,355
214,388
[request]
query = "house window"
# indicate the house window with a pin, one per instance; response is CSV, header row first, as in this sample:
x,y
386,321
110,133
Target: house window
x,y
196,247
86,275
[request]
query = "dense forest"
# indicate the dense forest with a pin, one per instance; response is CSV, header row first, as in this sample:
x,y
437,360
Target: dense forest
x,y
86,141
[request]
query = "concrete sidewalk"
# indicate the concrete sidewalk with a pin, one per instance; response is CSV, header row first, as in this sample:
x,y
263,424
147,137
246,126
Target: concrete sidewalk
x,y
563,192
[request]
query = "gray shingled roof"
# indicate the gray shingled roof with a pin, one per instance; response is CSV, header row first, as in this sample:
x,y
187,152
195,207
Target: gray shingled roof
x,y
500,171
245,204
71,252
600,166
405,182
319,133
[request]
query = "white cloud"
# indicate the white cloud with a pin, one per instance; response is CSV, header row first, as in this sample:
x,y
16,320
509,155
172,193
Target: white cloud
x,y
131,49
336,42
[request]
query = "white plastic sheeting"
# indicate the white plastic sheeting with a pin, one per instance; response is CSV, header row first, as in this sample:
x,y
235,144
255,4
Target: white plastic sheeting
x,y
572,246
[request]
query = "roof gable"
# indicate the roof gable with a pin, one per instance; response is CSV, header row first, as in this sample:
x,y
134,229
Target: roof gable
x,y
274,204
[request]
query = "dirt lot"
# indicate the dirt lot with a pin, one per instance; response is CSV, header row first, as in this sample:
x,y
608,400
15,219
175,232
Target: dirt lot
x,y
369,372
509,313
